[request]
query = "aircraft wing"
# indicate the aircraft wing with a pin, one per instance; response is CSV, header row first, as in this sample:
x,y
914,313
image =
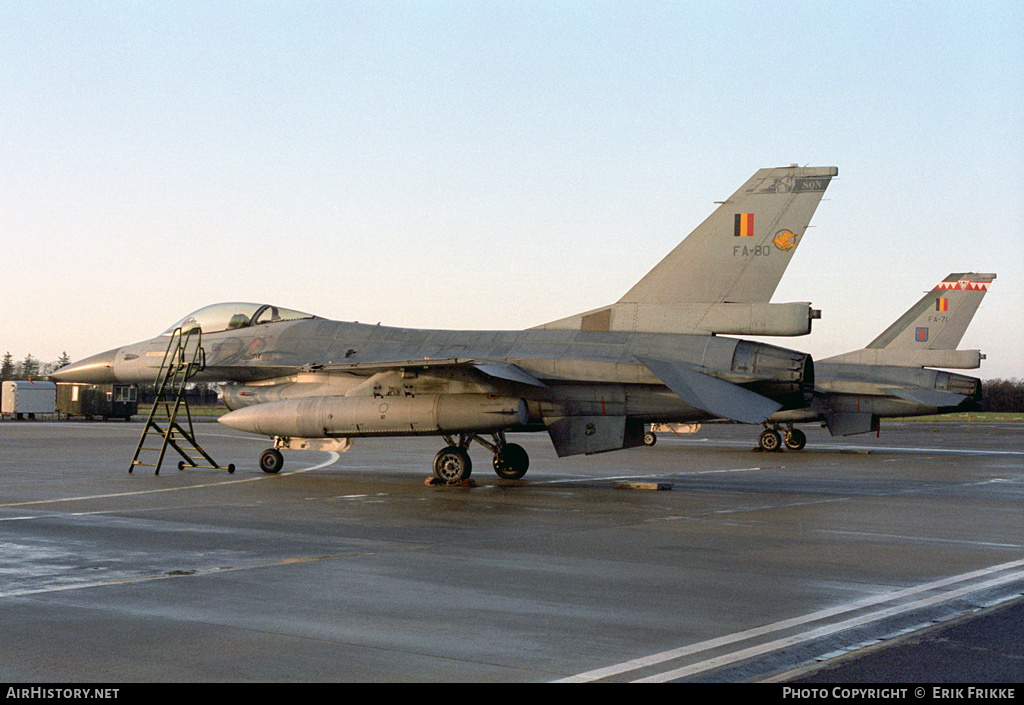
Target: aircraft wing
x,y
507,371
714,395
492,368
927,397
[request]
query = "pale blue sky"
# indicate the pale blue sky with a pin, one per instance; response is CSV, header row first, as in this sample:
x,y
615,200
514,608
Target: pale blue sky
x,y
494,164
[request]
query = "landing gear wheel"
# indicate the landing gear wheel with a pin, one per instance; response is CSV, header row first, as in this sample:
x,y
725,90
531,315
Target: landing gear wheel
x,y
796,439
511,462
770,441
650,438
452,464
271,461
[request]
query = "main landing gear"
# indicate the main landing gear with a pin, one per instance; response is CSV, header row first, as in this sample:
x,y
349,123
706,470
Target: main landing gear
x,y
453,464
771,440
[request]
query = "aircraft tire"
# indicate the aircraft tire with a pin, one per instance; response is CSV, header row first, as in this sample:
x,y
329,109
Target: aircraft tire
x,y
770,441
452,464
796,439
271,461
511,462
650,438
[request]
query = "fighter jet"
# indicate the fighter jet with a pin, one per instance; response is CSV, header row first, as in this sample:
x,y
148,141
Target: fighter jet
x,y
891,377
591,381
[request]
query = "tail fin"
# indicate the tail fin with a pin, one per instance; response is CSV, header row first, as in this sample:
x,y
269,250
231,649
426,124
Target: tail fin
x,y
722,276
739,254
929,332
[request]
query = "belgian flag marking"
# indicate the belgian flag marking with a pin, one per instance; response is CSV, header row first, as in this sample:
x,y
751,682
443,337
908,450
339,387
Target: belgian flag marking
x,y
744,226
941,304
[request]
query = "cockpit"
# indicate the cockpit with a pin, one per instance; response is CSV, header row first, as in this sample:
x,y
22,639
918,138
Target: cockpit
x,y
232,316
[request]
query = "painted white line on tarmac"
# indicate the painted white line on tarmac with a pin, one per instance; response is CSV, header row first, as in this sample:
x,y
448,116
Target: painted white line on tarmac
x,y
691,649
754,651
334,457
860,448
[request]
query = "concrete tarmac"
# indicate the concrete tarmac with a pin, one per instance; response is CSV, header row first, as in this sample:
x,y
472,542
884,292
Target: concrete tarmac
x,y
747,567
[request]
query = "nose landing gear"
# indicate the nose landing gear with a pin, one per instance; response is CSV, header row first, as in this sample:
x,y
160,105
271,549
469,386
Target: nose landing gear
x,y
271,461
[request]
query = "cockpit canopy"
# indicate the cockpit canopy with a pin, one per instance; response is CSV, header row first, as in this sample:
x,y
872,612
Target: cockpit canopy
x,y
231,316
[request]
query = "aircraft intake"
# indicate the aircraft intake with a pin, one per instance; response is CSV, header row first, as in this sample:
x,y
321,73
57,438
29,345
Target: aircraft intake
x,y
337,416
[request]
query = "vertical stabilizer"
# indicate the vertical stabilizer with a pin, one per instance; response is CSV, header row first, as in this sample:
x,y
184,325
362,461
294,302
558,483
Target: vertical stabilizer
x,y
739,254
939,320
721,278
930,331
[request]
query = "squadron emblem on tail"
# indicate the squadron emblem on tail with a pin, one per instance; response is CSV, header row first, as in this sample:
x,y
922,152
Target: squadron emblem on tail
x,y
784,240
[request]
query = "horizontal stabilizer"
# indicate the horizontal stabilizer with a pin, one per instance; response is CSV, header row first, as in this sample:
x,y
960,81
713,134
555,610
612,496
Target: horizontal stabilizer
x,y
716,396
927,397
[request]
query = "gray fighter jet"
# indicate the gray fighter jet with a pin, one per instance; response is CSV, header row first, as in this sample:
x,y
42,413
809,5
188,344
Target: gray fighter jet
x,y
891,377
592,381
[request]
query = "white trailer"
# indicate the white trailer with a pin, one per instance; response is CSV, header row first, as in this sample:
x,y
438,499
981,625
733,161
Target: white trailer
x,y
28,397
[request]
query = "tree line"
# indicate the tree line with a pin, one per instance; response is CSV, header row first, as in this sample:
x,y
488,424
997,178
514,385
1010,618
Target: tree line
x,y
1005,395
29,367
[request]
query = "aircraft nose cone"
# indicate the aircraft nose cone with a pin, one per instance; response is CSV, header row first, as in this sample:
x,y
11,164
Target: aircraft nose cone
x,y
97,369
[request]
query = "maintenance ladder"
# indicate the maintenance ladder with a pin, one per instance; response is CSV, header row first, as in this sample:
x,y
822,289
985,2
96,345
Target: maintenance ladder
x,y
178,366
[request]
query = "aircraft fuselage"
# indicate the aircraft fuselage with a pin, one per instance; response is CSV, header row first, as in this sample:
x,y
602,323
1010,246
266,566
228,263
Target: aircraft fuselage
x,y
574,370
